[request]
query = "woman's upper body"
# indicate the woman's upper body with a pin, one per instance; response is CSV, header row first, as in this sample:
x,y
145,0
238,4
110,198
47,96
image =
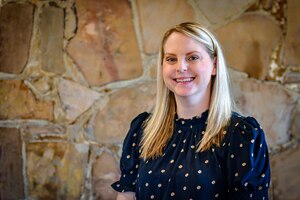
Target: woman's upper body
x,y
173,154
238,169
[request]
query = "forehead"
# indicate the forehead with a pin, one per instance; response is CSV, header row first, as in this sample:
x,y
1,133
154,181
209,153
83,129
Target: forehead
x,y
179,42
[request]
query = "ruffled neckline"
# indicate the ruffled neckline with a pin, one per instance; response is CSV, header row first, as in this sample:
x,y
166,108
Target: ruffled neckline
x,y
194,121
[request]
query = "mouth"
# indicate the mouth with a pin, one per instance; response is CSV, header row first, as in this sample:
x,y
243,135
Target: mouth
x,y
184,80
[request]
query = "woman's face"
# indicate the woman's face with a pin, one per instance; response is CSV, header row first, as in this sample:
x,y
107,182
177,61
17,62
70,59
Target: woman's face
x,y
187,67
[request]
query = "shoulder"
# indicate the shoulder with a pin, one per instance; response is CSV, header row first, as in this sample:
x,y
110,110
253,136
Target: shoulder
x,y
246,128
139,119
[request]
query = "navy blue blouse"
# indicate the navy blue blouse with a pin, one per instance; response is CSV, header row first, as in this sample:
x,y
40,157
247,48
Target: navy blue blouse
x,y
238,169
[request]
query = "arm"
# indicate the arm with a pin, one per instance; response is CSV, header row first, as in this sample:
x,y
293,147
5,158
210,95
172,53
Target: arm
x,y
126,196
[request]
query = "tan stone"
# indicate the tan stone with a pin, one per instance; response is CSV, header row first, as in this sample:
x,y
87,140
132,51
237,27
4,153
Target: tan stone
x,y
105,46
70,22
75,98
11,167
52,25
292,45
15,34
223,10
105,172
262,101
296,122
112,122
53,173
158,16
17,101
285,174
248,43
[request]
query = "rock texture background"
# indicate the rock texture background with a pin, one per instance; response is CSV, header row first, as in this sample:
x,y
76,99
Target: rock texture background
x,y
73,73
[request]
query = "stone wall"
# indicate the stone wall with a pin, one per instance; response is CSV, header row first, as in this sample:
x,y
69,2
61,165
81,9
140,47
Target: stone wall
x,y
73,73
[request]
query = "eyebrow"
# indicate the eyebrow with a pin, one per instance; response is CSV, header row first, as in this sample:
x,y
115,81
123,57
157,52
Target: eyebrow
x,y
172,54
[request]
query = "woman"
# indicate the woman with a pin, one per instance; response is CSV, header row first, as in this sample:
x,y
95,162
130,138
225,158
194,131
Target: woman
x,y
193,146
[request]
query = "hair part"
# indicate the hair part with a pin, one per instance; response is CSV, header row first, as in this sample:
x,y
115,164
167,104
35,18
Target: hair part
x,y
158,129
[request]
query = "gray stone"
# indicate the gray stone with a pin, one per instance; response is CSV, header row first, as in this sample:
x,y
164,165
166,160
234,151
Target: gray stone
x,y
17,101
105,171
292,45
285,174
11,176
261,100
219,11
75,98
56,170
52,26
105,47
248,43
158,16
112,122
15,34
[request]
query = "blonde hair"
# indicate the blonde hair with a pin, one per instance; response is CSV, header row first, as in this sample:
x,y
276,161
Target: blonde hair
x,y
158,129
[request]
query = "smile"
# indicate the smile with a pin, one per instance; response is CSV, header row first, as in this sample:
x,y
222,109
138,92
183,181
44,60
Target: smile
x,y
184,80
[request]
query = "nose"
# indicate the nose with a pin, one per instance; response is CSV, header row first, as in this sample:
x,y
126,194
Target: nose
x,y
182,66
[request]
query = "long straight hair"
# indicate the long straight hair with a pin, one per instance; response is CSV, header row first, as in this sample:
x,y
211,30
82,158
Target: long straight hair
x,y
158,129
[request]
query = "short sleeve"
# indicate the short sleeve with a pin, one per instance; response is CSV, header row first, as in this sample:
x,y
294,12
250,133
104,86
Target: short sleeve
x,y
248,161
129,161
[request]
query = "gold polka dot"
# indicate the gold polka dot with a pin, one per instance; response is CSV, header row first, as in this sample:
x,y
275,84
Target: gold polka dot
x,y
152,197
199,171
232,156
206,161
213,149
179,131
163,171
198,187
224,132
133,144
182,150
191,126
245,184
245,127
236,174
260,145
172,161
174,145
118,185
213,182
236,124
193,146
241,145
243,132
147,184
137,166
150,172
203,132
186,175
180,166
252,141
183,122
259,188
173,194
216,195
131,172
128,156
263,175
134,135
251,195
243,164
184,188
235,189
159,185
184,140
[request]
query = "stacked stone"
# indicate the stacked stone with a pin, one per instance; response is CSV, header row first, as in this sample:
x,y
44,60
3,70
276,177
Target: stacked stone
x,y
73,73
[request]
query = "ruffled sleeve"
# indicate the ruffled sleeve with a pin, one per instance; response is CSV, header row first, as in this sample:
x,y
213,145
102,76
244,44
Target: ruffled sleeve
x,y
248,161
129,161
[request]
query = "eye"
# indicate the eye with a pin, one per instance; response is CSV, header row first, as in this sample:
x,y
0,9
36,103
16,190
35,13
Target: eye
x,y
193,58
171,59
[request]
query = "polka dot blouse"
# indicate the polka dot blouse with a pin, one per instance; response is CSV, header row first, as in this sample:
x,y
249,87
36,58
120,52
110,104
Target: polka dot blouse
x,y
238,169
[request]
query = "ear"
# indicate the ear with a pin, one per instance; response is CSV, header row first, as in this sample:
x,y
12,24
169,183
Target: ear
x,y
214,71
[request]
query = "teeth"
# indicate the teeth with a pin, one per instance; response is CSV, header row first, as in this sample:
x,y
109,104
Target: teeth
x,y
184,80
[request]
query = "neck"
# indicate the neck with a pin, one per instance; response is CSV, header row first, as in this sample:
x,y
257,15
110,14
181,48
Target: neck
x,y
188,108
